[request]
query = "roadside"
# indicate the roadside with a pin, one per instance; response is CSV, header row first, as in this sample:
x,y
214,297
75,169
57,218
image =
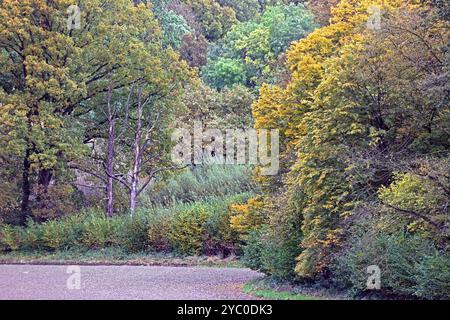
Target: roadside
x,y
113,256
270,289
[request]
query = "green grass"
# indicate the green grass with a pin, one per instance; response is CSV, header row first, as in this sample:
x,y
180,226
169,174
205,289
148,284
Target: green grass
x,y
261,290
114,256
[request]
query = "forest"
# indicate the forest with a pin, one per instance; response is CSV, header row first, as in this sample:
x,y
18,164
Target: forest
x,y
357,91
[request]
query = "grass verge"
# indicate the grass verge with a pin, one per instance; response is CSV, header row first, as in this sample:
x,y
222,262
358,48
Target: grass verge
x,y
270,289
112,256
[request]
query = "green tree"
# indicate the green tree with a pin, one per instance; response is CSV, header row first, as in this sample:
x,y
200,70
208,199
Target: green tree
x,y
224,72
258,44
48,71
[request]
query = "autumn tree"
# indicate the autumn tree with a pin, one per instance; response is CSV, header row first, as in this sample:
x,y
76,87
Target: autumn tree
x,y
354,102
48,70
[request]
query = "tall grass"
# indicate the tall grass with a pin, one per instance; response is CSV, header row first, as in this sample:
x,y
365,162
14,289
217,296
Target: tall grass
x,y
200,183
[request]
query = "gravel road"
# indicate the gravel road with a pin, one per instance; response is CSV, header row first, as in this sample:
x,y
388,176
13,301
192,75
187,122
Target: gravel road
x,y
122,282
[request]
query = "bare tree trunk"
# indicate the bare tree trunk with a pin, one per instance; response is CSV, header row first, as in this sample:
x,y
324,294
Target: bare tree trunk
x,y
110,169
137,155
110,154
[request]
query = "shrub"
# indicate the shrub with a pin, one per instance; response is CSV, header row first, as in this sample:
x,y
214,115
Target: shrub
x,y
158,232
248,216
221,238
60,234
100,232
279,256
433,276
32,236
409,264
269,253
133,232
271,229
187,231
10,237
253,249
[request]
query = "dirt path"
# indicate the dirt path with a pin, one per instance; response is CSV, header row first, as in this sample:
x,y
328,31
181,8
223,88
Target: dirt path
x,y
122,282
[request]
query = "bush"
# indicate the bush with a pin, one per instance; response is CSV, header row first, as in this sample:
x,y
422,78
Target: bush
x,y
201,227
158,232
133,232
187,231
32,237
248,216
253,249
267,252
10,237
273,247
100,232
409,264
221,238
279,256
433,276
58,234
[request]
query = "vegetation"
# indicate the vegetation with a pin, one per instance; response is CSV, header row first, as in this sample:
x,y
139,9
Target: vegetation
x,y
358,89
186,229
273,290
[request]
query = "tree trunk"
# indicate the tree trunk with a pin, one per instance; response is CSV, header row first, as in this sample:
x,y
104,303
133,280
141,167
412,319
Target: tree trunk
x,y
136,169
110,169
137,155
26,188
133,196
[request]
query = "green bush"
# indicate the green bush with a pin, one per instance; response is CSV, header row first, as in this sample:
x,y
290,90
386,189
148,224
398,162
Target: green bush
x,y
100,232
32,237
253,249
133,232
10,237
221,238
187,231
200,227
278,256
158,232
58,234
272,254
274,247
433,276
410,265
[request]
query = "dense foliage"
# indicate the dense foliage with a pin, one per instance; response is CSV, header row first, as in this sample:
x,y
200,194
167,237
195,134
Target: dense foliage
x,y
359,90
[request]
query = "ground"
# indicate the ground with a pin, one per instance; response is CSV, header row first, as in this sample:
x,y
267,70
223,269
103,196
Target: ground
x,y
44,282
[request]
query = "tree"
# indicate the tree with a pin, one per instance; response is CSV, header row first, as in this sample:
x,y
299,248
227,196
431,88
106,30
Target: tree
x,y
174,25
356,98
224,73
48,71
245,9
214,20
138,120
256,45
194,49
